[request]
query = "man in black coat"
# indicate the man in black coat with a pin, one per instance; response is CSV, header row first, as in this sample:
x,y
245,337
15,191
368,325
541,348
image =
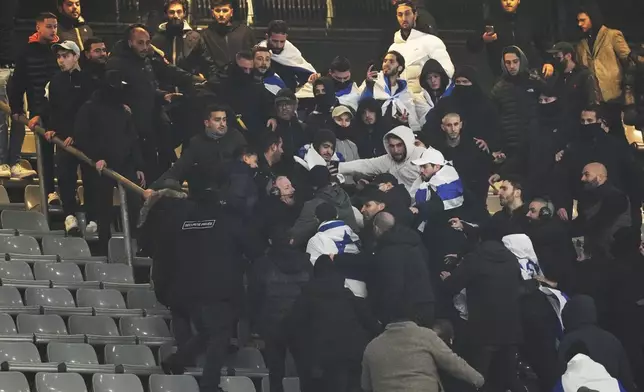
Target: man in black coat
x,y
224,38
274,284
580,323
492,278
294,133
511,24
143,70
515,97
237,87
198,256
369,129
279,210
400,283
634,113
204,163
71,25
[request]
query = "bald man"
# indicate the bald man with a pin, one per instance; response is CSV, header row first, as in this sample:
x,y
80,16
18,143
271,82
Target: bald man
x,y
400,287
143,71
603,210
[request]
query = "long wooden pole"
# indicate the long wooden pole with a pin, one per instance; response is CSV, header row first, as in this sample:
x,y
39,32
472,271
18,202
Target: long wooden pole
x,y
129,185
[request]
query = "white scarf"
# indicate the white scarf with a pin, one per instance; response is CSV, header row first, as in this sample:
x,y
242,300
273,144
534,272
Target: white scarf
x,y
290,57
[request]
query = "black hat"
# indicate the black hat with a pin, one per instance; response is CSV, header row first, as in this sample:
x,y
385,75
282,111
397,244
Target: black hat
x,y
326,212
285,95
384,178
467,72
372,193
319,176
321,136
563,47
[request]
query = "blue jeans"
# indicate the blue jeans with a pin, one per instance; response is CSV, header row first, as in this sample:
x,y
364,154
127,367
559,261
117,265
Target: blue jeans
x,y
10,146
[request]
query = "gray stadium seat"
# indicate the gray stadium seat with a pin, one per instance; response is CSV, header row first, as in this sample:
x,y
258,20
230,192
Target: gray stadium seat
x,y
247,358
143,299
237,384
57,297
26,222
102,299
121,354
60,382
7,326
112,273
19,352
10,296
116,382
13,382
145,327
19,270
22,245
41,324
58,272
93,325
291,384
163,383
76,353
73,247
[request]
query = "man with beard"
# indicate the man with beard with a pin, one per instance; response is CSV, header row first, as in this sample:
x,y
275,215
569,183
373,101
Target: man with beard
x,y
143,71
515,96
603,210
511,26
180,44
388,87
68,91
71,25
263,71
605,52
534,158
293,132
224,38
473,164
475,108
94,58
238,88
346,90
325,100
369,129
287,60
576,85
401,150
278,211
417,47
551,238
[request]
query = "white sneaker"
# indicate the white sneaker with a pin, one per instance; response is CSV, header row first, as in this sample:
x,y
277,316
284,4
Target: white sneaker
x,y
91,227
53,199
17,171
5,171
71,225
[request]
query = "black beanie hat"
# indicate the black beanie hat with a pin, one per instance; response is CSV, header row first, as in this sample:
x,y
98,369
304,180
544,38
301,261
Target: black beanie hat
x,y
466,72
326,212
321,136
319,176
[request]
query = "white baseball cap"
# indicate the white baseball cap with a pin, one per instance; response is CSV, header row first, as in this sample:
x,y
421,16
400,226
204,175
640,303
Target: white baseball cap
x,y
431,155
67,45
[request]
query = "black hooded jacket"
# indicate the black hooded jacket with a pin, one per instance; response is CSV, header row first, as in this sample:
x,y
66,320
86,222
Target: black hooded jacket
x,y
320,118
433,66
400,282
580,323
224,42
522,29
368,138
75,30
493,281
516,100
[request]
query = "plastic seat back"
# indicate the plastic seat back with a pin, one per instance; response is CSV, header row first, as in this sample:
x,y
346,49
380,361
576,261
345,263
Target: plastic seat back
x,y
237,384
10,296
16,270
58,272
7,326
100,299
116,382
37,323
22,245
65,247
145,326
165,383
112,273
59,297
76,353
93,325
143,299
122,354
248,358
24,220
60,382
14,382
19,352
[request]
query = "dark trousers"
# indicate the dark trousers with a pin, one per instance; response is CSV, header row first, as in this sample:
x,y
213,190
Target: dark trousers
x,y
498,365
104,206
275,358
47,163
67,172
337,377
214,325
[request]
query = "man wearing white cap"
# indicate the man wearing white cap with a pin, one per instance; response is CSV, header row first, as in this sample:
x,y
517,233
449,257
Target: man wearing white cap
x,y
437,176
68,91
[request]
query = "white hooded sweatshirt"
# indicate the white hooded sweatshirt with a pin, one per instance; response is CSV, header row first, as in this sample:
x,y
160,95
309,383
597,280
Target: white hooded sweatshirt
x,y
405,172
584,372
417,49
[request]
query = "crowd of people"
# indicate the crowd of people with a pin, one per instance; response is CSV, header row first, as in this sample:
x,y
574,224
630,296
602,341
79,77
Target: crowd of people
x,y
347,219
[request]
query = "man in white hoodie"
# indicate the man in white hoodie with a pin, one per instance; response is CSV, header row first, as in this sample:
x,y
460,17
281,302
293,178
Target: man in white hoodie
x,y
401,151
417,47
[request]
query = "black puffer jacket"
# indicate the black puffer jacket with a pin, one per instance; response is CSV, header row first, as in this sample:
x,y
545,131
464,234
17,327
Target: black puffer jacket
x,y
580,322
516,100
74,30
224,42
368,138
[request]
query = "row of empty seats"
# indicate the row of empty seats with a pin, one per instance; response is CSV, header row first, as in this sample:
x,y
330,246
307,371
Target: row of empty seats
x,y
71,382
